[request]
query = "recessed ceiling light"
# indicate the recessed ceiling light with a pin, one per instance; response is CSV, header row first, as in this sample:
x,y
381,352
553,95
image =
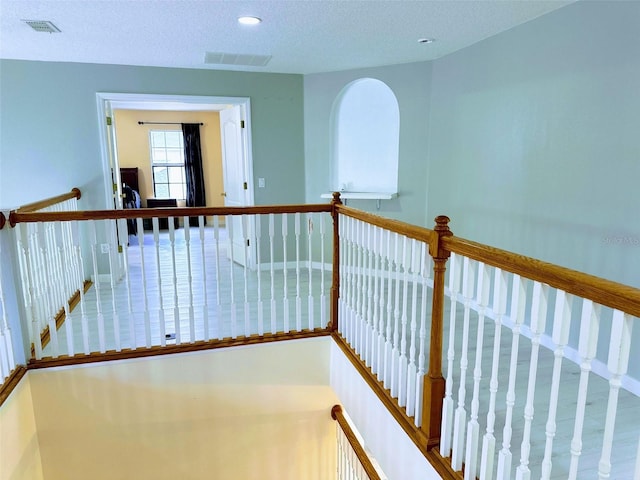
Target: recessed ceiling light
x,y
246,20
426,40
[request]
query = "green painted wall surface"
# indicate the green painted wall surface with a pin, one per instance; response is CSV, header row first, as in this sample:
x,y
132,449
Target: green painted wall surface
x,y
410,84
49,134
535,145
534,139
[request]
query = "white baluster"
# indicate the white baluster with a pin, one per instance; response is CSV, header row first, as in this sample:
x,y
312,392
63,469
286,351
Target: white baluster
x,y
382,274
64,279
6,347
216,240
352,291
285,298
174,279
245,274
84,321
388,344
296,224
112,283
376,274
187,242
560,335
424,277
587,345
310,271
360,287
617,364
161,320
323,299
259,272
346,253
362,319
123,237
499,309
232,293
346,273
460,421
518,302
395,353
145,297
272,271
403,363
368,316
538,321
446,442
203,266
473,428
97,287
412,370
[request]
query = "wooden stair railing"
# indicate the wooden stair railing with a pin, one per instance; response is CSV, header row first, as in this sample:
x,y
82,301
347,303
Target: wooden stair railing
x,y
361,454
48,202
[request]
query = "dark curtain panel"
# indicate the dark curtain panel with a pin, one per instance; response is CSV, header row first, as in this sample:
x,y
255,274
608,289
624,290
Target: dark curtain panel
x,y
193,168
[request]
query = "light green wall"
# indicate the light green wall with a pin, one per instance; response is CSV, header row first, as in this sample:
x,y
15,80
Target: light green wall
x,y
49,134
535,143
410,84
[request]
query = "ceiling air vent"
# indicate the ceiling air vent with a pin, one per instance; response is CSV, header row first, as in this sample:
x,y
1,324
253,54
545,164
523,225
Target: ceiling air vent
x,y
42,26
219,58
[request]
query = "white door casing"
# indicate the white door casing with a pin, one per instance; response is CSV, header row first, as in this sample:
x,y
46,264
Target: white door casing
x,y
237,183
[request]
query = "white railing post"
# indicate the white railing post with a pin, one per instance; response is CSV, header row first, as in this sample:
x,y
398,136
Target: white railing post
x,y
499,310
538,321
14,330
587,345
460,420
618,362
518,304
560,335
473,427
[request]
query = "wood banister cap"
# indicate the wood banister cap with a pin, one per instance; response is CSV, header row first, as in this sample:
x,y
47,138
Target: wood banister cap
x,y
335,410
442,225
336,198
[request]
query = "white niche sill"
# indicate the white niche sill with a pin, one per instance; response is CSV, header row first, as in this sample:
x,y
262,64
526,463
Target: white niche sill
x,y
363,195
377,196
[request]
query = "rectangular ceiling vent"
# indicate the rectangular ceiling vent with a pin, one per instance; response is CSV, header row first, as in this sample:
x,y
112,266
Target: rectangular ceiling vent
x,y
44,26
219,58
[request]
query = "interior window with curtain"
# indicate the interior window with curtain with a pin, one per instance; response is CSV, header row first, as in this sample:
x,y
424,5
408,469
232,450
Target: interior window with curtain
x,y
167,163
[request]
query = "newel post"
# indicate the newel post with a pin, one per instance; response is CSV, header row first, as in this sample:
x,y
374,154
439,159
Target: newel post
x,y
434,387
335,280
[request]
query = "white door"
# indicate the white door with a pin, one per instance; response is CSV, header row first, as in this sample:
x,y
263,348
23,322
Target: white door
x,y
116,231
236,184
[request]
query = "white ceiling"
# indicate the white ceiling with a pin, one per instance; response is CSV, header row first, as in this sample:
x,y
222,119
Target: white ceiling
x,y
302,36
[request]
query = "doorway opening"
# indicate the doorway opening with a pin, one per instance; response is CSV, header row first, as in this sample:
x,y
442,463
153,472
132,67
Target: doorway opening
x,y
235,141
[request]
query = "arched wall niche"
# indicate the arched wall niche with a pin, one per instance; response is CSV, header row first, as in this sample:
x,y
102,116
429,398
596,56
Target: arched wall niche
x,y
365,139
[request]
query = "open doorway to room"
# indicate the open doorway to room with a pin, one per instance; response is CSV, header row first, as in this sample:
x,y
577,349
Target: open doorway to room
x,y
225,130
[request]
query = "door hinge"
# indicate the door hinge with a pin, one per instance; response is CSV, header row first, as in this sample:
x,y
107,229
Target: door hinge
x,y
108,120
241,123
115,187
246,187
248,242
120,249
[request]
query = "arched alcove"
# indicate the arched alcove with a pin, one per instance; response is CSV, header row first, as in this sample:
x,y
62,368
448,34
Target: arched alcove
x,y
366,132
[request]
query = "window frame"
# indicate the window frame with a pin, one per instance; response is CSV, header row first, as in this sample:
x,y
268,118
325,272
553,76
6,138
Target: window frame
x,y
156,164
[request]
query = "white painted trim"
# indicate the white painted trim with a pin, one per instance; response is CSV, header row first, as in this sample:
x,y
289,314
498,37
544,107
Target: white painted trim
x,y
363,195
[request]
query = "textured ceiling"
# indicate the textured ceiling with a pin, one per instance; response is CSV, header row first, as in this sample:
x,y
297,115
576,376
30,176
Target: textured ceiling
x,y
300,36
